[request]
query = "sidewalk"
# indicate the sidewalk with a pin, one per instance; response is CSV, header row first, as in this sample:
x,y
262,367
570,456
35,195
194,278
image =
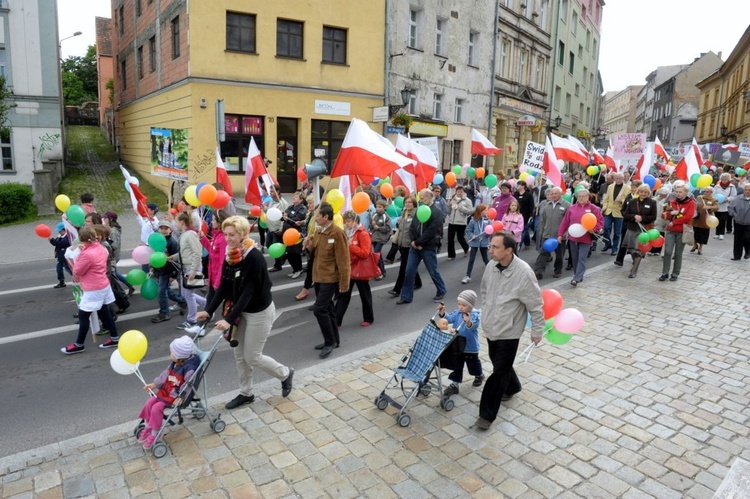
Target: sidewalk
x,y
651,401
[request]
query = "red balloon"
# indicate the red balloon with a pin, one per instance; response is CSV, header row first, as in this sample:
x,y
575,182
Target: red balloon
x,y
644,248
552,303
43,231
302,175
204,227
222,199
497,225
658,242
255,210
491,213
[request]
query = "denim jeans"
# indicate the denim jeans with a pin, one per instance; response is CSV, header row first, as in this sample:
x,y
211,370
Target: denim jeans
x,y
430,261
611,223
473,255
166,293
60,266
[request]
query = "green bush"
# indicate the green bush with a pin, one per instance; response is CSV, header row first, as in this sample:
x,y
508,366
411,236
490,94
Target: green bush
x,y
16,202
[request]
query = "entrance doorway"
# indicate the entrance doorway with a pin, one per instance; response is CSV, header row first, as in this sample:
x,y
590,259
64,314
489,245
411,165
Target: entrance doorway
x,y
286,153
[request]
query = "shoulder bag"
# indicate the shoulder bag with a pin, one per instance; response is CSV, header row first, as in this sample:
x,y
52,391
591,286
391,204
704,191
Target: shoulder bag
x,y
687,235
368,268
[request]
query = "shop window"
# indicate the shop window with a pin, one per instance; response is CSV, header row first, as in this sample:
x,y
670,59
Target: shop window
x,y
326,140
239,130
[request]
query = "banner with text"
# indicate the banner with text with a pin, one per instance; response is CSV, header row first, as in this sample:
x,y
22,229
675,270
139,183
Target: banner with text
x,y
629,145
533,157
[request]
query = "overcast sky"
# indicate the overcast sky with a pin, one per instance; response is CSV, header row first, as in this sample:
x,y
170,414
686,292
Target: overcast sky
x,y
637,35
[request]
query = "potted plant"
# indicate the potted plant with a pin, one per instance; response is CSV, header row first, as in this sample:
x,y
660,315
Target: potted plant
x,y
402,119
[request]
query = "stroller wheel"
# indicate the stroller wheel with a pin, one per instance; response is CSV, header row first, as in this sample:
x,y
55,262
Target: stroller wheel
x,y
447,404
138,428
159,449
404,420
381,403
199,412
425,390
217,425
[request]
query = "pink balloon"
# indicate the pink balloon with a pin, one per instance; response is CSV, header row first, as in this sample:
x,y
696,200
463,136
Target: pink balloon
x,y
489,230
141,254
569,321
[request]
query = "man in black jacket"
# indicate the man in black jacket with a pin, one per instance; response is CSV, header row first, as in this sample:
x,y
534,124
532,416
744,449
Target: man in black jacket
x,y
425,242
164,274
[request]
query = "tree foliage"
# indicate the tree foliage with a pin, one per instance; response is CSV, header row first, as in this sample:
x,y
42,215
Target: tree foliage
x,y
6,103
79,78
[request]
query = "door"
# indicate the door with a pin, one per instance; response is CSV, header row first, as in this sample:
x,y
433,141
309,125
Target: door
x,y
286,153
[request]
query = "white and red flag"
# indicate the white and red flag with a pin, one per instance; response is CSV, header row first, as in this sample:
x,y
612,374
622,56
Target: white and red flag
x,y
659,149
731,147
577,143
425,162
698,154
137,199
567,151
609,160
255,169
365,153
222,176
598,158
644,163
552,165
481,145
689,165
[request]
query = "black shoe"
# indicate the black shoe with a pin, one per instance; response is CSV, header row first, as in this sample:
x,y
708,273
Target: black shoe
x,y
618,263
239,400
557,274
122,310
130,292
322,346
673,278
574,283
606,248
614,253
393,292
507,397
663,277
286,385
161,318
401,301
735,259
451,390
569,267
75,316
478,380
438,298
326,351
538,276
60,284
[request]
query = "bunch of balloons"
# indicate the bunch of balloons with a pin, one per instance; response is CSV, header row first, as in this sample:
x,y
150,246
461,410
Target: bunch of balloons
x,y
561,324
206,194
130,351
650,239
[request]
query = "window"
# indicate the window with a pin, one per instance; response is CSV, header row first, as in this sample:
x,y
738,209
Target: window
x,y
440,38
152,54
508,3
560,53
239,130
522,67
591,81
241,32
585,72
413,103
414,34
457,146
571,63
568,100
580,111
543,12
122,19
504,53
564,10
574,24
139,62
334,45
526,5
124,73
437,106
289,39
578,89
3,64
596,48
459,111
138,8
580,51
327,138
588,39
558,91
7,151
588,116
176,37
538,73
473,37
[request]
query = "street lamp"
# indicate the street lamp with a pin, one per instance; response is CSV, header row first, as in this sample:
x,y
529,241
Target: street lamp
x,y
723,130
59,44
405,97
558,122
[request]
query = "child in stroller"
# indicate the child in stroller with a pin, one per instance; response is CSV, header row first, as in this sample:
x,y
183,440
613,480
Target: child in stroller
x,y
465,321
181,369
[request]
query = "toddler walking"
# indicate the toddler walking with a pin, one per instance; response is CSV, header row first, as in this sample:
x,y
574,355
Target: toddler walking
x,y
465,320
168,384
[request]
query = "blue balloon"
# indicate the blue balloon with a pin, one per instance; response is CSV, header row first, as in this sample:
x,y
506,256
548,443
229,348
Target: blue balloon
x,y
438,179
550,245
649,180
375,181
720,198
199,187
528,320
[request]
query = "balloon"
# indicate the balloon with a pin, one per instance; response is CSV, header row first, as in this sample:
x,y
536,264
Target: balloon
x,y
136,277
471,172
497,225
550,245
302,175
386,190
360,202
255,210
180,206
658,242
704,181
568,198
548,324
399,201
157,259
489,229
424,213
720,198
523,176
491,180
569,321
122,366
291,237
588,220
262,224
557,338
491,213
438,179
191,196
450,179
577,230
704,169
62,202
336,199
273,214
207,194
643,238
694,179
653,234
149,289
43,231
375,181
456,170
592,170
386,180
644,248
222,199
276,250
740,172
157,241
480,172
657,185
392,210
552,302
132,346
141,254
712,221
650,180
76,215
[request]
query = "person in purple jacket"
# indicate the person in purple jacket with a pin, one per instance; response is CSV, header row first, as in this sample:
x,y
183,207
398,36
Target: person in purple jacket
x,y
580,244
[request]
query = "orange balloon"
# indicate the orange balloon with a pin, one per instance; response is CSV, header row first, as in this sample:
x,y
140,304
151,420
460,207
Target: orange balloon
x,y
291,237
450,179
207,194
588,220
386,190
361,201
657,184
479,172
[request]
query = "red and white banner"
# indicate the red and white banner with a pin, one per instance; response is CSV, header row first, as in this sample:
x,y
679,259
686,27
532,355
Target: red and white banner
x,y
137,199
689,165
222,176
255,169
567,151
481,145
644,163
364,152
659,149
552,165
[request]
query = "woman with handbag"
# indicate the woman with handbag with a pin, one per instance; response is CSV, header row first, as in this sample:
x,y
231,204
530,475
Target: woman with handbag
x,y
363,269
679,213
402,239
192,272
308,229
707,206
638,215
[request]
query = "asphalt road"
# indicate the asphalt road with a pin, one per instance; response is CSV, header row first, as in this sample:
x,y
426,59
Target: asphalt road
x,y
48,397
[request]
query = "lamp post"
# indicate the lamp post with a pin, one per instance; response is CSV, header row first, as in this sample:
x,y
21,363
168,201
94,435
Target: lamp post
x,y
405,97
77,33
558,122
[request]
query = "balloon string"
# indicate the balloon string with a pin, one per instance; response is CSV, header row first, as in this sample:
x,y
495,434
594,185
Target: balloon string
x,y
527,352
137,372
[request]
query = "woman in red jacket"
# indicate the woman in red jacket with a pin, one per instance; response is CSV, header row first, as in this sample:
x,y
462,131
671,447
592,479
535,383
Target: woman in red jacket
x,y
360,247
679,212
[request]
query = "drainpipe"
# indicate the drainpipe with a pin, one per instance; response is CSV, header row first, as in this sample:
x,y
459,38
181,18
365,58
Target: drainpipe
x,y
492,74
555,47
386,87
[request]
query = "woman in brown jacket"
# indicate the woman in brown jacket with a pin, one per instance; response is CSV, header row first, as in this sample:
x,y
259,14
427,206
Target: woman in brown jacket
x,y
707,206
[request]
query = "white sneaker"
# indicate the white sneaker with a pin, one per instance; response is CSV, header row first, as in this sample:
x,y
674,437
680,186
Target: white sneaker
x,y
716,237
721,238
466,280
296,274
197,330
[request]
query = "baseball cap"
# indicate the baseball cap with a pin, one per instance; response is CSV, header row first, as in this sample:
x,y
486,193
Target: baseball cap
x,y
153,207
60,226
165,223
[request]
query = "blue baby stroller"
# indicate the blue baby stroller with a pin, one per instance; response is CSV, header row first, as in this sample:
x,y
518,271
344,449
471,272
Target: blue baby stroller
x,y
192,405
414,376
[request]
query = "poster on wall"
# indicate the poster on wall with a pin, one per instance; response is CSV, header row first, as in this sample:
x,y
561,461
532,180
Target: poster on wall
x,y
629,145
169,153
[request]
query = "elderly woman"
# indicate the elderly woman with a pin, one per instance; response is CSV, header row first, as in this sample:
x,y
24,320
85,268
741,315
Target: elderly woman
x,y
191,264
245,292
360,248
639,214
660,224
724,192
580,245
707,206
678,212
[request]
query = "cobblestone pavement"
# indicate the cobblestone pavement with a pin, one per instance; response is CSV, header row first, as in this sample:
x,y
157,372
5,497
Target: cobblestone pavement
x,y
651,400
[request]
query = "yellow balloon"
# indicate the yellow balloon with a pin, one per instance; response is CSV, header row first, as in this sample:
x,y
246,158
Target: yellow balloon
x,y
522,176
336,199
191,196
704,181
62,202
338,220
263,217
712,221
132,346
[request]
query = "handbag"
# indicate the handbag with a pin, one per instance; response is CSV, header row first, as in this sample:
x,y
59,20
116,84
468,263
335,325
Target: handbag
x,y
688,237
198,281
394,237
368,268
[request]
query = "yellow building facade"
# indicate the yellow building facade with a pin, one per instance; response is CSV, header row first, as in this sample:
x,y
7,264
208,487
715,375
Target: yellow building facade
x,y
291,75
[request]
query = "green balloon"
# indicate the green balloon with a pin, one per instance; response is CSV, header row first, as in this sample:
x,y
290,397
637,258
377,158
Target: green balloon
x,y
643,238
136,277
399,201
557,338
386,180
424,213
694,179
568,198
76,215
150,289
740,172
157,242
653,234
276,250
393,210
456,170
262,224
471,172
157,259
548,324
490,180
578,188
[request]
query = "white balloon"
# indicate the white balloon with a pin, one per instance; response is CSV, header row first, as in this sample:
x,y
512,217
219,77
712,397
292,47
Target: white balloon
x,y
273,214
576,230
120,365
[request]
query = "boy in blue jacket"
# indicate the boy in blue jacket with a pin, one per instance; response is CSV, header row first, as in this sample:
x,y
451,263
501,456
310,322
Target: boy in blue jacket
x,y
465,320
61,243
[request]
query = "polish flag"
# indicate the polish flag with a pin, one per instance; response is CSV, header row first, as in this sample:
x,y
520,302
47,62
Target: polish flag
x,y
137,199
644,163
222,176
424,171
697,152
347,186
731,147
552,166
688,166
566,151
481,146
364,152
577,143
405,179
598,159
254,170
609,160
659,150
